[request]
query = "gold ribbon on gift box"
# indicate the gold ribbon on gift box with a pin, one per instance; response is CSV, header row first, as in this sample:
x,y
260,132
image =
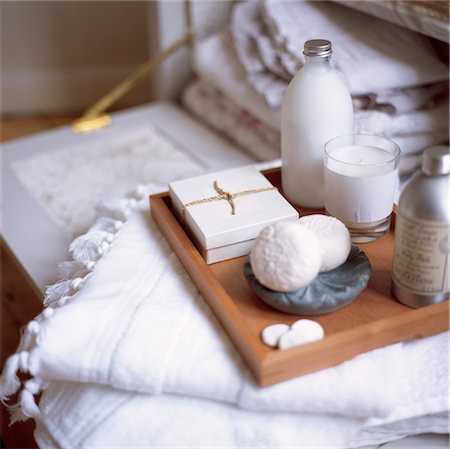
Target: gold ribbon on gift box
x,y
223,195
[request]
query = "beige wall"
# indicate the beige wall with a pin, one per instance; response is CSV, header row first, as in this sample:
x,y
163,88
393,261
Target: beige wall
x,y
59,56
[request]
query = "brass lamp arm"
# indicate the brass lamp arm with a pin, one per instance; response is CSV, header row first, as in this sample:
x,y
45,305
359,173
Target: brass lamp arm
x,y
95,118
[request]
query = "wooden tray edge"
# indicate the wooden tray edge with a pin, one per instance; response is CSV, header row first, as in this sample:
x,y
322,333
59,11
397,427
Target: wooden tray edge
x,y
276,366
417,323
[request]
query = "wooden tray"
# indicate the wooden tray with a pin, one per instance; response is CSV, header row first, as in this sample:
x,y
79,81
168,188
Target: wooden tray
x,y
373,320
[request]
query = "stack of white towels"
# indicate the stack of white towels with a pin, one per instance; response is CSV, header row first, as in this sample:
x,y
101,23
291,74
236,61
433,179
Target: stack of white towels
x,y
127,354
398,83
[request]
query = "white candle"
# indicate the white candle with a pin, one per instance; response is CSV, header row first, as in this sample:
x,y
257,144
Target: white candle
x,y
360,183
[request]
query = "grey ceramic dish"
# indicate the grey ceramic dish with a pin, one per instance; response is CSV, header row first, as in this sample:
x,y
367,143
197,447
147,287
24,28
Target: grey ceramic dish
x,y
327,293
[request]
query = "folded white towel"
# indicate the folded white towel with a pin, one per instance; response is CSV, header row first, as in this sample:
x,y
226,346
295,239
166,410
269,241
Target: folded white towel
x,y
212,106
371,53
403,125
137,323
214,60
122,419
413,131
117,419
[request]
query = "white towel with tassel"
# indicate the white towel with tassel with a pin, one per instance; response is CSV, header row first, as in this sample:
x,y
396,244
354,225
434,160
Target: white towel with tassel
x,y
135,323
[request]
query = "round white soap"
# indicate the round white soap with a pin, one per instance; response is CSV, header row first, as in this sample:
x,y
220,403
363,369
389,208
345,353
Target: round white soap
x,y
286,256
334,239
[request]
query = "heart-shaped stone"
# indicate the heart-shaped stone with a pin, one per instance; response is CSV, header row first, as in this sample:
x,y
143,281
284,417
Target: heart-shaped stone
x,y
301,332
271,334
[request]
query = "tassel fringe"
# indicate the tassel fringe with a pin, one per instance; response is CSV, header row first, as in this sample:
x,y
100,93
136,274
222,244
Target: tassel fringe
x,y
86,250
71,269
90,247
9,382
56,291
119,209
29,335
26,407
107,224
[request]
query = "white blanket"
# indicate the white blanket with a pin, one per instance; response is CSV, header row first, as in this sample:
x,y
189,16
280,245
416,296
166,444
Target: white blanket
x,y
128,319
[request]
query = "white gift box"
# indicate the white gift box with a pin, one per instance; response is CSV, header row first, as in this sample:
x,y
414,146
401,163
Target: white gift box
x,y
205,205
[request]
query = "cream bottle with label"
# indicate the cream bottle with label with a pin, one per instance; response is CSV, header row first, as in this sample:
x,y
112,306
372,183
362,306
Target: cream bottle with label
x,y
316,107
421,251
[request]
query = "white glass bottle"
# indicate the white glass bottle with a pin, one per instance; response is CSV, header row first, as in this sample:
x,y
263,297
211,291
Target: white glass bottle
x,y
316,107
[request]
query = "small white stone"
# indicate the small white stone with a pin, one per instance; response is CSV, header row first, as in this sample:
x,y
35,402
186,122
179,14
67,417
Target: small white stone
x,y
271,334
109,237
301,332
90,265
334,239
286,256
311,329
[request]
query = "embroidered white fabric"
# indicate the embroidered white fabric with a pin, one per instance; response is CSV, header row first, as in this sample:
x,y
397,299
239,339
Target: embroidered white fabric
x,y
69,183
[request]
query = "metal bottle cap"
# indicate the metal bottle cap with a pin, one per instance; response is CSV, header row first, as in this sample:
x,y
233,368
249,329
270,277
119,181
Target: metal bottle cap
x,y
436,161
317,47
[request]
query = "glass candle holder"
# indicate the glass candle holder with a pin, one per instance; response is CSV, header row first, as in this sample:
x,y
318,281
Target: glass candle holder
x,y
361,176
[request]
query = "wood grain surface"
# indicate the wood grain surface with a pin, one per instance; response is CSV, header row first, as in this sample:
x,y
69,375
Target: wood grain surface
x,y
373,320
